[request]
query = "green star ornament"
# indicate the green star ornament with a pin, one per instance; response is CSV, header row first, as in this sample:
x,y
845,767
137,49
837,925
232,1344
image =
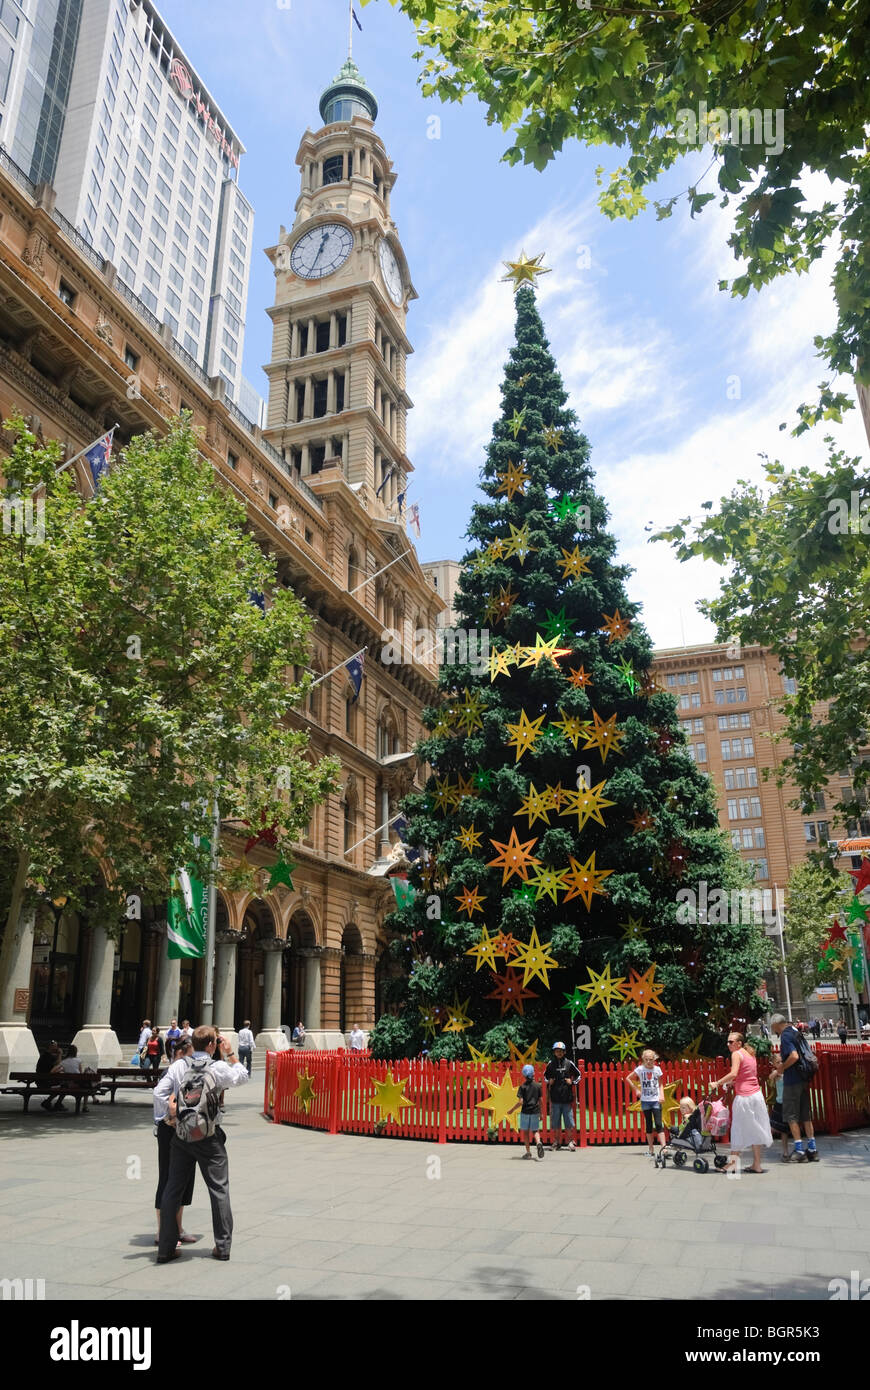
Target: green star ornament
x,y
281,874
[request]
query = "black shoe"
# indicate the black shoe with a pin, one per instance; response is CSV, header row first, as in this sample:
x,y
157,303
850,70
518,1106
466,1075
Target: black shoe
x,y
799,1156
812,1155
220,1254
164,1259
46,1104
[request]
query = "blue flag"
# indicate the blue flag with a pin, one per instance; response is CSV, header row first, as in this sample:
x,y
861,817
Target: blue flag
x,y
259,600
401,501
98,457
354,669
355,19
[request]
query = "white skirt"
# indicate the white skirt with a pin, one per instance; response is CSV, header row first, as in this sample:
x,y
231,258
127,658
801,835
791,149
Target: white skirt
x,y
749,1122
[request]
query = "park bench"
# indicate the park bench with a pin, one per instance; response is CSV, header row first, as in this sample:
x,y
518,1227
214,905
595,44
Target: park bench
x,y
127,1079
79,1088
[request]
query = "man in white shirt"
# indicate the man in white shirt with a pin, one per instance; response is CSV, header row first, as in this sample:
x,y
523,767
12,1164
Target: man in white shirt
x,y
209,1153
144,1035
246,1044
70,1066
357,1039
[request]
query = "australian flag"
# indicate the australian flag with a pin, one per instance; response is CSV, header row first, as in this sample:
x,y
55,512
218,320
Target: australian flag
x,y
354,669
356,19
258,599
98,457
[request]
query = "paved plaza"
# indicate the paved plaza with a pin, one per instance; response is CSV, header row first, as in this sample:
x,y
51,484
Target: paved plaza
x,y
339,1216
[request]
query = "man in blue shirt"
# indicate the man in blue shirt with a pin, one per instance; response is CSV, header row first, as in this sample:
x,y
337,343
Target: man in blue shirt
x,y
795,1091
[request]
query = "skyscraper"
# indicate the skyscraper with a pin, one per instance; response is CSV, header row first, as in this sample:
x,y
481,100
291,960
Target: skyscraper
x,y
100,101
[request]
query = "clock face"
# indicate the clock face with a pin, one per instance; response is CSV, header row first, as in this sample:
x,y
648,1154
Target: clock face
x,y
391,272
321,251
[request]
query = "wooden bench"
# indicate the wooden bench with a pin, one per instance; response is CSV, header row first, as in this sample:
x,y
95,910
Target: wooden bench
x,y
128,1079
79,1087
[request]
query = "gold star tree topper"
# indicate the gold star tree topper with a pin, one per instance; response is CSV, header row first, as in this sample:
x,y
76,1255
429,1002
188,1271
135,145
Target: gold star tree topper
x,y
525,271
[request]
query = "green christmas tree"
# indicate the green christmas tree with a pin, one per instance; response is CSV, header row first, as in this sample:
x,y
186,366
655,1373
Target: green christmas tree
x,y
564,813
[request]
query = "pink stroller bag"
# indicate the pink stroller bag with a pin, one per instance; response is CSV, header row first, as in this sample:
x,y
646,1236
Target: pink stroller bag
x,y
718,1119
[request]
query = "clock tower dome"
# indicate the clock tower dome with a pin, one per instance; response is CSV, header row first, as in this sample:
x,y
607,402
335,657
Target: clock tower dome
x,y
337,399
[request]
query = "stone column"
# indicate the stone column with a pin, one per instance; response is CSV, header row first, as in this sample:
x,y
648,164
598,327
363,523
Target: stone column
x,y
294,339
96,1040
225,985
305,462
168,989
311,1011
383,818
333,330
18,1050
312,337
271,1037
308,407
344,453
330,394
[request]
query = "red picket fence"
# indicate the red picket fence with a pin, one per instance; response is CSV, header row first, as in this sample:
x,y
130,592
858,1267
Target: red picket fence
x,y
333,1091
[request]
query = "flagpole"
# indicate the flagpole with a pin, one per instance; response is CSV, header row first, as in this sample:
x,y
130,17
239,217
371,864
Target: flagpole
x,y
376,831
350,29
337,668
69,463
403,556
211,921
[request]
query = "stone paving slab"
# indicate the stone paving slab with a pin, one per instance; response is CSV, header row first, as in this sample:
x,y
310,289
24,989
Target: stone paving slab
x,y
321,1216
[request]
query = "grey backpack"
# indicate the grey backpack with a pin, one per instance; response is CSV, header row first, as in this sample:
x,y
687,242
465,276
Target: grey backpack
x,y
198,1103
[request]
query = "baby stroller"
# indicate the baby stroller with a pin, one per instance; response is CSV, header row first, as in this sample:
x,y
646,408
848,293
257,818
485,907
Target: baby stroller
x,y
697,1138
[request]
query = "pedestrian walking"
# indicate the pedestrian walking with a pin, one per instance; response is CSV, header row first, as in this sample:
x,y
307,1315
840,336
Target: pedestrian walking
x,y
246,1045
561,1076
830,1027
199,1138
842,1032
796,1066
651,1091
164,1132
142,1044
173,1034
529,1106
750,1123
186,1030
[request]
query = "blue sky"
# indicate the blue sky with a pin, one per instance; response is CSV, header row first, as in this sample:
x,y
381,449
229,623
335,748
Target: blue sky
x,y
678,387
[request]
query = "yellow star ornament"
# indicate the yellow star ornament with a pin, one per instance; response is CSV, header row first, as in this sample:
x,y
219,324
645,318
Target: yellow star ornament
x,y
305,1092
482,1057
536,805
573,563
521,1059
524,734
552,437
457,1018
502,1099
513,480
519,543
603,989
430,1018
626,1044
585,804
573,728
604,736
469,838
389,1098
535,960
670,1104
484,951
546,883
500,662
525,271
583,880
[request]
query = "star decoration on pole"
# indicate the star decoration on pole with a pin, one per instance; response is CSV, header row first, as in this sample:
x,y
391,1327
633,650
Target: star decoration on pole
x,y
469,838
571,726
603,989
502,1099
583,880
856,912
513,480
573,563
536,806
536,960
517,422
305,1092
626,1044
457,1018
577,1002
615,626
280,873
483,951
643,991
513,857
604,736
510,991
389,1098
470,901
579,677
586,804
524,734
553,436
525,271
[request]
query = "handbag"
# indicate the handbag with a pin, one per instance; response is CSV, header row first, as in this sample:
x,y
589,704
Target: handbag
x,y
136,1060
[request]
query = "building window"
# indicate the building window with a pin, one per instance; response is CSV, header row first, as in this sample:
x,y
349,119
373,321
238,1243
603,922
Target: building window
x,y
747,837
67,294
671,680
173,301
789,685
232,460
735,839
700,752
151,275
823,828
761,869
810,832
108,245
684,702
755,806
148,297
155,253
758,836
131,358
131,249
732,809
744,722
333,169
191,344
696,699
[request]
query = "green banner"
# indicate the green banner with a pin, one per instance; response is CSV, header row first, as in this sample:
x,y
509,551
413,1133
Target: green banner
x,y
186,917
404,891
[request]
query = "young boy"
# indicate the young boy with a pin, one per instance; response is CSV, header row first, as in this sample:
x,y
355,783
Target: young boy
x,y
529,1098
649,1088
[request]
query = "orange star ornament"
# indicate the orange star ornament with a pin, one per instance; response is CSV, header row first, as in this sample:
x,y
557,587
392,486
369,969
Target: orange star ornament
x,y
514,858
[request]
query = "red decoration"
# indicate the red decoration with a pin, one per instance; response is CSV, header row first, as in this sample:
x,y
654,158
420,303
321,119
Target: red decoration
x,y
861,875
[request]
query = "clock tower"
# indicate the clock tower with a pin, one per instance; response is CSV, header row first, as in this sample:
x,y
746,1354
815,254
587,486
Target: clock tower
x,y
337,399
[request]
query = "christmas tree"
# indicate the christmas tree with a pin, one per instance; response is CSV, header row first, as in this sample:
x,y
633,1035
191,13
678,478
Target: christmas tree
x,y
564,813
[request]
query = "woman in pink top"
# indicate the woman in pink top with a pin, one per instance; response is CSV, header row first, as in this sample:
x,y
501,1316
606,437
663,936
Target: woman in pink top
x,y
750,1126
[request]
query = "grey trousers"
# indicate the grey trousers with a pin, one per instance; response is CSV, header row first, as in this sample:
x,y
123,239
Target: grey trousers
x,y
211,1157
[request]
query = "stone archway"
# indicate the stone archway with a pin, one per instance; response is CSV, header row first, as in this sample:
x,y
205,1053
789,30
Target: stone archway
x,y
300,989
258,932
351,1003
